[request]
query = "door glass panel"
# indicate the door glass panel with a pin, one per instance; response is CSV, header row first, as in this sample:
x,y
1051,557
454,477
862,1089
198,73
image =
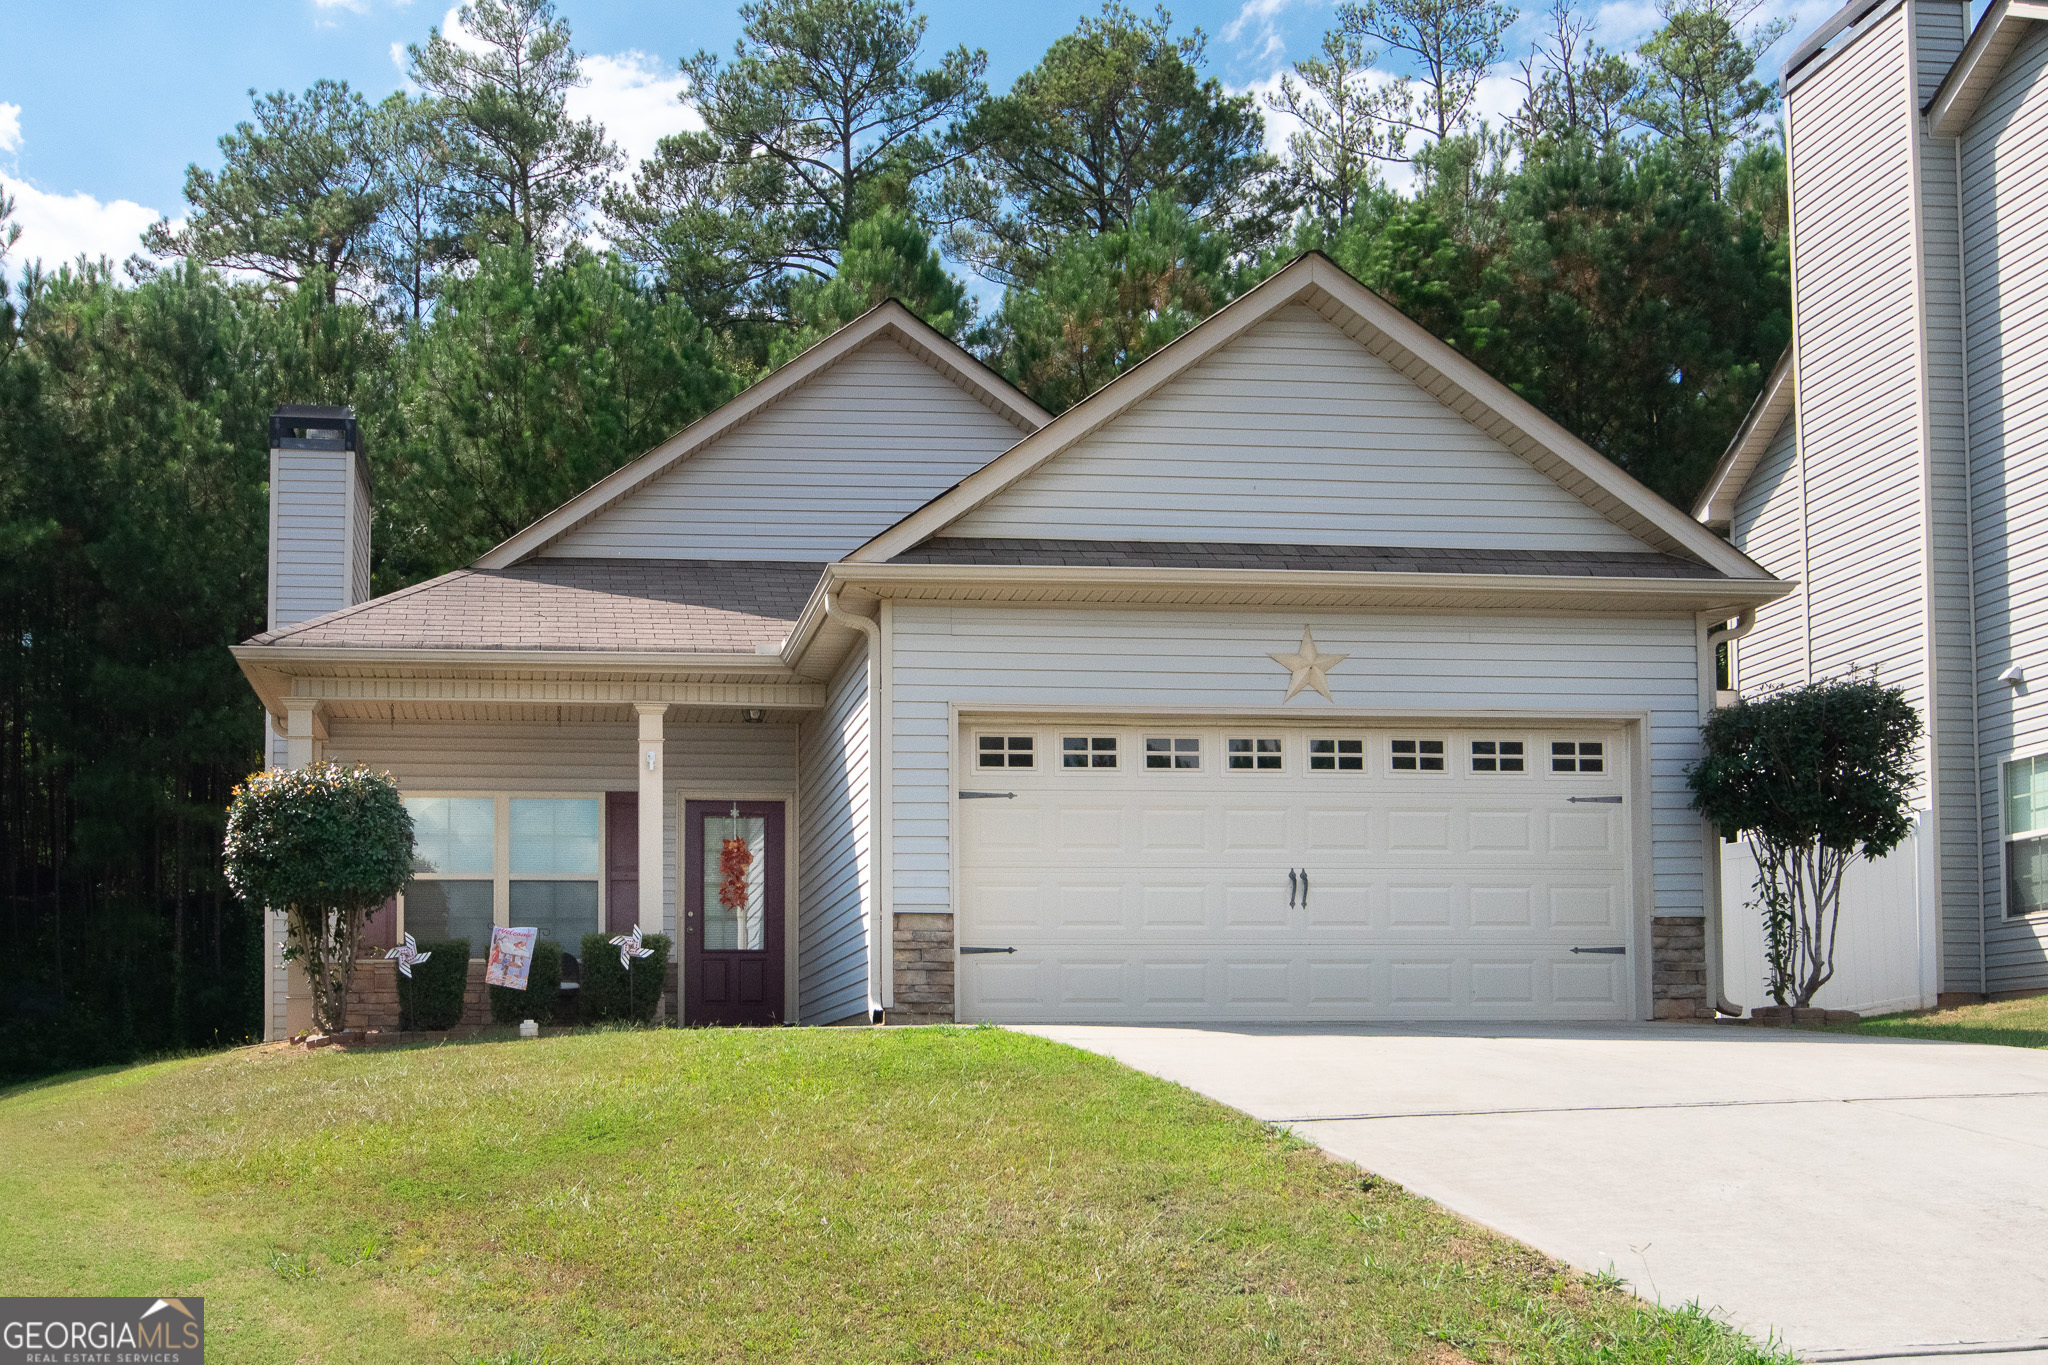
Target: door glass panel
x,y
735,883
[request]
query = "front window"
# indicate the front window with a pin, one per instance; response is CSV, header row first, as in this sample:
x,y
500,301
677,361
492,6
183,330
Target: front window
x,y
547,875
555,862
2026,836
453,891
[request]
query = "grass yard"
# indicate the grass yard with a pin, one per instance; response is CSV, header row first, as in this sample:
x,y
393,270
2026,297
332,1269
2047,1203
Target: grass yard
x,y
901,1195
2008,1023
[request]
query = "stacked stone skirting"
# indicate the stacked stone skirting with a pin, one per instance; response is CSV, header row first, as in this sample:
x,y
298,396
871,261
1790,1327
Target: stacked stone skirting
x,y
1678,968
924,969
373,995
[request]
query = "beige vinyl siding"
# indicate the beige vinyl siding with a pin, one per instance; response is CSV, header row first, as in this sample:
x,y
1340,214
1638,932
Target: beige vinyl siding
x,y
2005,243
1939,29
835,870
359,531
1294,434
312,536
813,476
1768,526
569,758
1137,661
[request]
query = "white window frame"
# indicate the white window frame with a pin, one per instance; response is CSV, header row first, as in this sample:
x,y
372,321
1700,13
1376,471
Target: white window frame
x,y
1310,739
2009,837
1472,758
1089,738
1037,742
1255,739
1606,756
1145,754
502,876
1419,739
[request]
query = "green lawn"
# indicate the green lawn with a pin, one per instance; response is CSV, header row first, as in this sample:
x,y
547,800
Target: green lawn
x,y
2009,1023
863,1195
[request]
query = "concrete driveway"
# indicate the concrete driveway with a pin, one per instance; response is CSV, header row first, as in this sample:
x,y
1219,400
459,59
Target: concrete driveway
x,y
1851,1195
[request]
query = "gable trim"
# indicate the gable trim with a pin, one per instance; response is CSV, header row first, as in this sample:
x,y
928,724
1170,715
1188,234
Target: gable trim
x,y
1391,336
1773,407
1978,67
887,321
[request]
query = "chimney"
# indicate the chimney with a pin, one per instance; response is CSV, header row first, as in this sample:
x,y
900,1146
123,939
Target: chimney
x,y
319,514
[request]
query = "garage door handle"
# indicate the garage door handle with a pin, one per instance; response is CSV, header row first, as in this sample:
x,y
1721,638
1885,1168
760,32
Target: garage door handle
x,y
1003,796
968,952
1304,888
1612,952
1595,800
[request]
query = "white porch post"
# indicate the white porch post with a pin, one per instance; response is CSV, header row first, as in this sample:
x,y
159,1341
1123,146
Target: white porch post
x,y
653,782
305,729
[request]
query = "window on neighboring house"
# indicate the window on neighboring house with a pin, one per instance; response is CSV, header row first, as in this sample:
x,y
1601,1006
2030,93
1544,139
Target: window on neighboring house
x,y
556,858
1578,756
1497,756
1417,756
2026,836
1088,751
1336,755
1003,751
1249,755
1173,751
453,890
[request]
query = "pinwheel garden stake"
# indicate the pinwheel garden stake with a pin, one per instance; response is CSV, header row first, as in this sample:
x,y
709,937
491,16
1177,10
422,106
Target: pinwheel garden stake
x,y
629,948
407,953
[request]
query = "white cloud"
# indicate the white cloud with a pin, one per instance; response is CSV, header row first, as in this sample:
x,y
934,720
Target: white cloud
x,y
636,98
1261,19
57,228
354,6
10,127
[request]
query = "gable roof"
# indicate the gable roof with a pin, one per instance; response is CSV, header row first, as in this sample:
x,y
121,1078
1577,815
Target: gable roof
x,y
1385,332
1963,90
1773,407
889,321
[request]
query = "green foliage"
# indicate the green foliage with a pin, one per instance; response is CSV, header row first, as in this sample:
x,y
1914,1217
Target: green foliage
x,y
888,257
299,194
523,170
1117,113
325,844
1105,302
433,996
528,386
1451,43
543,986
1700,93
611,992
1816,776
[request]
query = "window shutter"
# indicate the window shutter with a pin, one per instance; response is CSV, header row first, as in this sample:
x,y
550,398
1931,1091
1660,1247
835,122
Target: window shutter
x,y
621,861
381,930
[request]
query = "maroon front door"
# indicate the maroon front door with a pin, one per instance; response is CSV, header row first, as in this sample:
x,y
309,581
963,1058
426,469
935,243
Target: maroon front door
x,y
732,912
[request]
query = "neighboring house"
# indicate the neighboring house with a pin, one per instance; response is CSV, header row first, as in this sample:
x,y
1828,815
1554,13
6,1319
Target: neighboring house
x,y
1302,673
1896,466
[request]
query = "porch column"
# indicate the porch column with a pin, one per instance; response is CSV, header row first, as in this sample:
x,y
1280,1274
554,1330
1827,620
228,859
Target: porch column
x,y
653,856
305,730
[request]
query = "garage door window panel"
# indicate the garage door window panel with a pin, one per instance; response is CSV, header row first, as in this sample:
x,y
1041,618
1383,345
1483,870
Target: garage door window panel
x,y
1336,755
1004,751
1173,753
1253,755
1416,755
1088,751
1578,756
1498,756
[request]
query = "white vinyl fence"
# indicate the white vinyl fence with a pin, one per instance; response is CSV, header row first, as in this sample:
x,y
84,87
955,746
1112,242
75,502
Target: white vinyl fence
x,y
1884,955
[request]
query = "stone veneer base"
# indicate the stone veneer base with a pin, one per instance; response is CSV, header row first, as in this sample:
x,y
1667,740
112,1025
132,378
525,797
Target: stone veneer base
x,y
924,969
1678,968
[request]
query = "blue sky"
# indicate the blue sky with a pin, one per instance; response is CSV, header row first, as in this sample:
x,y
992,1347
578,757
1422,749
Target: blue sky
x,y
103,105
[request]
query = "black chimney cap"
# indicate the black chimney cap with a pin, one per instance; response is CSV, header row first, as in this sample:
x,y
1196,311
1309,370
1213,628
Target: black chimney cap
x,y
300,426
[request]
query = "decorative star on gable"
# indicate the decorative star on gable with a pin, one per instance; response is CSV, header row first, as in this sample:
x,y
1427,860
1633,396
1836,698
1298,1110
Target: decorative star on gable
x,y
1310,667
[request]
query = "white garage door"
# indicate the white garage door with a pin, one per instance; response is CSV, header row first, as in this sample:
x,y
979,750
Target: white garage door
x,y
1112,872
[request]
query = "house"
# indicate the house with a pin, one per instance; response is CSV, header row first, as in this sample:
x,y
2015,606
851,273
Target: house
x,y
1896,465
1304,672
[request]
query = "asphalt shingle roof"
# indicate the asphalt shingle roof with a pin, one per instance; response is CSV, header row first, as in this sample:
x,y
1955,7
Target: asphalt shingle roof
x,y
647,605
1156,554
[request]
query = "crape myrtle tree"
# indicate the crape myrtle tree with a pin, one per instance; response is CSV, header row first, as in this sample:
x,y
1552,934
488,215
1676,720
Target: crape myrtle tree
x,y
326,844
1816,776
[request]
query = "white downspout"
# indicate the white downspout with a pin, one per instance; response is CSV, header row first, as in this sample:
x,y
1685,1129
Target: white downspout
x,y
1745,622
880,938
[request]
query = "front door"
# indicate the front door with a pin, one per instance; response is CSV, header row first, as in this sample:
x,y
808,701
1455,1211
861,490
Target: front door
x,y
732,912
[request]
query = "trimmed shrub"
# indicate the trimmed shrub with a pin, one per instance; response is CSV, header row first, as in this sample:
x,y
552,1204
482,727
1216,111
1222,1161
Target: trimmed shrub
x,y
431,998
605,982
543,985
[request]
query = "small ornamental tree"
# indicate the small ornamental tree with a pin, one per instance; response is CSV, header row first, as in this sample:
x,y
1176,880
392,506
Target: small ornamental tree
x,y
326,844
1817,776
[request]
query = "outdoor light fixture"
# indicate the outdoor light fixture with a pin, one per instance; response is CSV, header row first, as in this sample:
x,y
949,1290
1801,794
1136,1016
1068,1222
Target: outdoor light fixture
x,y
753,715
2015,676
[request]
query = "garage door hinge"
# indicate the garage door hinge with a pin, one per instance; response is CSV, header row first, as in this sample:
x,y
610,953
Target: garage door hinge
x,y
966,952
1615,952
1595,800
988,796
